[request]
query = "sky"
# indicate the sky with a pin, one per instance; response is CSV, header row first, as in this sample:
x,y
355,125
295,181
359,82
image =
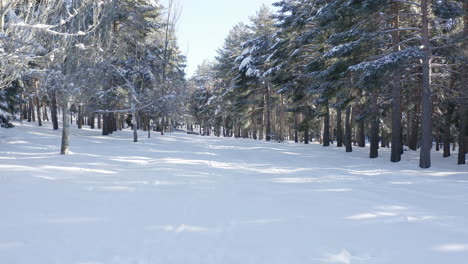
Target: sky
x,y
204,24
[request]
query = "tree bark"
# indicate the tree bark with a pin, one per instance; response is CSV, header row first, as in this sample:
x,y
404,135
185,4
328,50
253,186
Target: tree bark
x,y
38,110
306,132
361,136
80,117
135,131
149,126
66,129
375,124
462,137
395,155
463,148
296,128
426,108
268,113
339,127
30,110
326,125
92,120
348,140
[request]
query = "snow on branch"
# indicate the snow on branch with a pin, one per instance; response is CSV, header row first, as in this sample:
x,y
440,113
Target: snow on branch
x,y
408,2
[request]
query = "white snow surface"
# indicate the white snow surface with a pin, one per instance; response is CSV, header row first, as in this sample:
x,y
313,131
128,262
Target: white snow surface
x,y
185,199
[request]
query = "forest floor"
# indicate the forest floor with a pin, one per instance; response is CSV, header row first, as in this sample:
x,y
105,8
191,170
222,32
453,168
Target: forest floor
x,y
183,199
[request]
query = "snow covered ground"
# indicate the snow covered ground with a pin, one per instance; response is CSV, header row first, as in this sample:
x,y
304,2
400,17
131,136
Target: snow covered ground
x,y
182,199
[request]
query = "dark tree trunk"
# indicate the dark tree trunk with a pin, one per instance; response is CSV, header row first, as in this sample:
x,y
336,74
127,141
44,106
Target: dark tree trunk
x,y
426,111
53,110
30,110
116,121
339,128
326,126
79,120
462,135
105,130
296,128
447,125
268,113
397,143
462,131
148,124
38,110
361,136
375,124
348,140
92,119
306,133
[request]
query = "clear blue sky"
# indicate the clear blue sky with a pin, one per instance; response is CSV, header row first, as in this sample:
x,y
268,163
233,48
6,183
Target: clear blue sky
x,y
204,24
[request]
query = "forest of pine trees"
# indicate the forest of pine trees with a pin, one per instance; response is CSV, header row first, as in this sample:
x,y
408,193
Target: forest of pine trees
x,y
391,73
388,74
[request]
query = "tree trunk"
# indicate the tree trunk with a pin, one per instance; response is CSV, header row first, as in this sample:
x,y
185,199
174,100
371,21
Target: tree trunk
x,y
38,110
397,144
339,128
326,125
262,119
268,113
135,131
30,110
66,129
92,120
296,124
79,122
348,140
375,124
463,148
361,136
105,130
426,111
53,110
148,125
